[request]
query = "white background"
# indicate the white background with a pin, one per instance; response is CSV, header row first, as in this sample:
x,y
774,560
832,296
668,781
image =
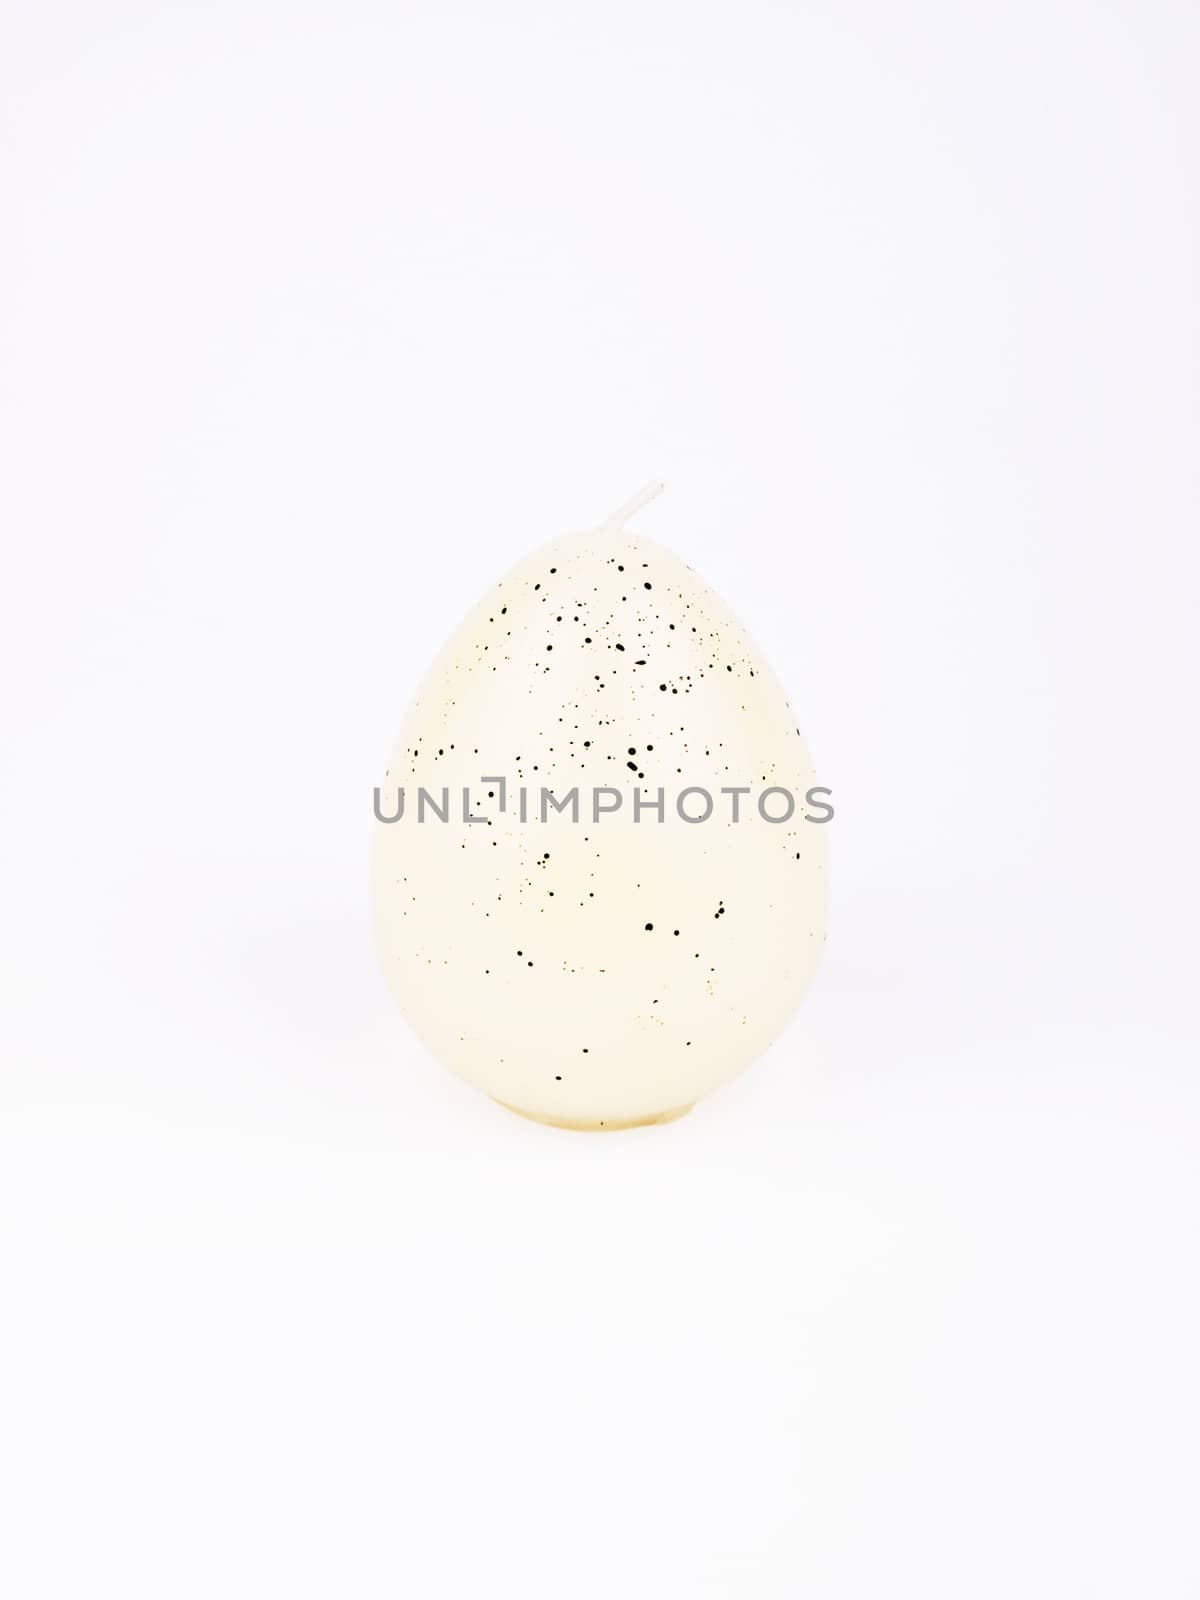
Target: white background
x,y
314,318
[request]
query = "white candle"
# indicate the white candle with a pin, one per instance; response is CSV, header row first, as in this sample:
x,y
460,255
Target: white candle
x,y
604,896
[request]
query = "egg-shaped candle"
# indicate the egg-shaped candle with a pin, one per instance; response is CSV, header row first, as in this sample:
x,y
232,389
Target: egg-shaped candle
x,y
598,858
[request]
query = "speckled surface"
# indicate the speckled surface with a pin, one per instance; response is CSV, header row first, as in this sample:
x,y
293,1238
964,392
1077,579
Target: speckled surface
x,y
608,970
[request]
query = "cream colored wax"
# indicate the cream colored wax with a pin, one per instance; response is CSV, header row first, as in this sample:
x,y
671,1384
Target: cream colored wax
x,y
610,970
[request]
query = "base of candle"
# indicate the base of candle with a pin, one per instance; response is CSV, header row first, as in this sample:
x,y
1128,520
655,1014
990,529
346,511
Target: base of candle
x,y
617,1125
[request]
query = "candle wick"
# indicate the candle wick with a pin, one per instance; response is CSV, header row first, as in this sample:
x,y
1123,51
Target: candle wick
x,y
619,518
